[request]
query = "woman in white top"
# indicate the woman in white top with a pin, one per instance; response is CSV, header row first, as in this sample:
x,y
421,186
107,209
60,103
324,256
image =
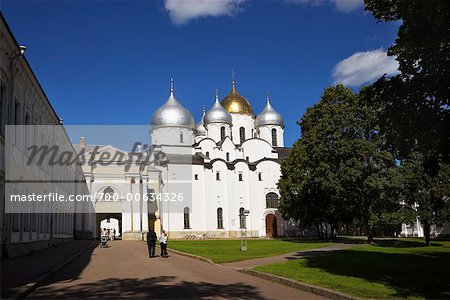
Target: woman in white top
x,y
163,243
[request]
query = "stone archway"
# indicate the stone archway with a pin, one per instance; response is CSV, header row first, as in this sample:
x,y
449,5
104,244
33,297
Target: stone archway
x,y
103,216
271,225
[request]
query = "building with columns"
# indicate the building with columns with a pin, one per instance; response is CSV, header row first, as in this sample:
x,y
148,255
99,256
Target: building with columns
x,y
218,177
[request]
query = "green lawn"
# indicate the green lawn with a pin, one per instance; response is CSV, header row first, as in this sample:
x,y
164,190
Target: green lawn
x,y
391,269
221,251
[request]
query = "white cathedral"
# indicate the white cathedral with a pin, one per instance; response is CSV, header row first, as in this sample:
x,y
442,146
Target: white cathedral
x,y
227,165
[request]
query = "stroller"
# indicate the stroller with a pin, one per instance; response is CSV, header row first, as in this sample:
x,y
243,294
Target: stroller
x,y
104,241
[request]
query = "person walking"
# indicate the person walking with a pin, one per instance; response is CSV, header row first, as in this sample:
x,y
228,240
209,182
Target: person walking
x,y
163,243
151,242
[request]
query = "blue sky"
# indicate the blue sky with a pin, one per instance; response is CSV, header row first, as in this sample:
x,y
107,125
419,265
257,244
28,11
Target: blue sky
x,y
109,62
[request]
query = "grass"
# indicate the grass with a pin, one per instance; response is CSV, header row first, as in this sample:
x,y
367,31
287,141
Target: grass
x,y
221,251
394,268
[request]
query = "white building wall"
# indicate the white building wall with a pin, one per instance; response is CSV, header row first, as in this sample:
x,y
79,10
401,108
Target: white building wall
x,y
242,120
171,136
265,133
214,131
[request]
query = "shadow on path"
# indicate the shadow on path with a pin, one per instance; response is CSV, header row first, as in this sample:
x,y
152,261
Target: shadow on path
x,y
162,287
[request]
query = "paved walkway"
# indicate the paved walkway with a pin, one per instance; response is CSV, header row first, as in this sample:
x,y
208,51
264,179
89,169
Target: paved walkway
x,y
251,263
125,271
19,271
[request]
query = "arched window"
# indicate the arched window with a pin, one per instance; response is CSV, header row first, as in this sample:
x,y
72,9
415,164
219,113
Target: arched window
x,y
242,218
271,200
240,177
242,134
181,138
274,137
207,154
247,158
228,156
108,194
222,132
186,218
217,176
219,218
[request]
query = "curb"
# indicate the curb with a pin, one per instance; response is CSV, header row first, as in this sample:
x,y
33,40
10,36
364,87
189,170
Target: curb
x,y
330,294
26,289
195,257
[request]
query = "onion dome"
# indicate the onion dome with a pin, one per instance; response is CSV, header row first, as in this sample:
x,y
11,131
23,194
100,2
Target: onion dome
x,y
269,116
200,129
217,114
235,103
172,113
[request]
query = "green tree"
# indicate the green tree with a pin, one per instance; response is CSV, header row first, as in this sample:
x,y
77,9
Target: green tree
x,y
338,171
426,190
413,106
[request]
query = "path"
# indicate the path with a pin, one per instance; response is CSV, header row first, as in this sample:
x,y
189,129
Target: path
x,y
125,271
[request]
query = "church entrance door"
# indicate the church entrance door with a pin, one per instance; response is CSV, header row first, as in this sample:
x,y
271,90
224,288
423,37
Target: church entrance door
x,y
271,225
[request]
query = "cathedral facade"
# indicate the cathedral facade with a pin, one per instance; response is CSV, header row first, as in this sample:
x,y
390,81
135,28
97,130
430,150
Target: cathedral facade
x,y
235,160
216,178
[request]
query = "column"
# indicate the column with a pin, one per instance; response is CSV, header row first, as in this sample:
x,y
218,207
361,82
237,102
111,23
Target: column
x,y
127,206
144,215
136,204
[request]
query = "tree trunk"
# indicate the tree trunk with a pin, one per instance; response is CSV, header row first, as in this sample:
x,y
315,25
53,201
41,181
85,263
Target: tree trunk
x,y
369,233
348,230
426,233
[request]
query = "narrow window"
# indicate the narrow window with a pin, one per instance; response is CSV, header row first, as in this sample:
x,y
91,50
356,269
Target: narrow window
x,y
272,200
222,132
196,176
218,176
247,158
228,156
260,176
207,154
240,177
242,134
274,137
18,113
181,138
186,218
219,218
241,218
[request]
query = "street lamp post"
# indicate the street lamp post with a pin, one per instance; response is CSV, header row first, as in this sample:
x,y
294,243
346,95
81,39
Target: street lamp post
x,y
243,216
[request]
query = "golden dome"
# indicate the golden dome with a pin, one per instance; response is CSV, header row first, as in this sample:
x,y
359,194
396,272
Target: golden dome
x,y
235,103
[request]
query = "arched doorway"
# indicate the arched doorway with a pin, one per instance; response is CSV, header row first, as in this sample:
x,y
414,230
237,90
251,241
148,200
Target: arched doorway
x,y
271,225
109,221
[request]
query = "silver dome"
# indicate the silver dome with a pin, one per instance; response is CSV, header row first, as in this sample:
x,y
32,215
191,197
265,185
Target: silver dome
x,y
172,114
217,114
269,116
200,129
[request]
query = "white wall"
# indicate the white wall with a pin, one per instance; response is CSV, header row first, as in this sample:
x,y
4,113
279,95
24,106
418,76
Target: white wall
x,y
265,133
242,120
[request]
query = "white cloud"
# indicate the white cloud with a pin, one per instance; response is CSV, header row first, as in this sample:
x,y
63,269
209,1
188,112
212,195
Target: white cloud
x,y
182,11
340,5
363,67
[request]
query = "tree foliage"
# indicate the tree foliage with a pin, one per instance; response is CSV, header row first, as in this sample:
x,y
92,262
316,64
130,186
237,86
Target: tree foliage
x,y
339,170
413,106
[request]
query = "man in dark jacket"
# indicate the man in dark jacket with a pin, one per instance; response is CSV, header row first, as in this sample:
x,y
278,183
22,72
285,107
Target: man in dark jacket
x,y
151,242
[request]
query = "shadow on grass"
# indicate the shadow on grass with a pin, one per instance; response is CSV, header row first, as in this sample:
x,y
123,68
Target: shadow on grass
x,y
161,287
303,240
425,273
